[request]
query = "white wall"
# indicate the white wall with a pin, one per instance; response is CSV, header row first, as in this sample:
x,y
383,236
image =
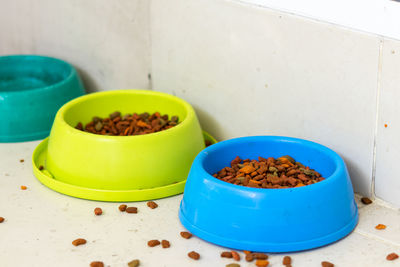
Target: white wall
x,y
108,41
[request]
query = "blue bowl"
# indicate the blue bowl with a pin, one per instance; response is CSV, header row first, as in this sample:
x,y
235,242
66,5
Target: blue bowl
x,y
269,220
32,89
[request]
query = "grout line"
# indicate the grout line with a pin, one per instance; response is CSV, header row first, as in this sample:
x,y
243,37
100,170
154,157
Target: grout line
x,y
376,238
378,92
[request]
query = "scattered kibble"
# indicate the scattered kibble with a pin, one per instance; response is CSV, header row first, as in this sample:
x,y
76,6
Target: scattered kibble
x,y
41,167
152,204
134,263
21,160
385,125
232,265
235,256
131,210
246,252
78,242
283,172
366,200
98,211
129,124
165,243
380,226
226,254
23,187
260,256
153,243
1,219
262,263
194,255
186,235
207,143
287,260
392,256
96,264
249,257
122,207
327,264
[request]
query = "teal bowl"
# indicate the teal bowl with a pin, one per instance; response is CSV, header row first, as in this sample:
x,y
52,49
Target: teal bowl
x,y
32,89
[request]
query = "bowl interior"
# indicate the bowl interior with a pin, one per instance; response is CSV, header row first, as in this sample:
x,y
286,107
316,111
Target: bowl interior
x,y
102,105
20,73
308,153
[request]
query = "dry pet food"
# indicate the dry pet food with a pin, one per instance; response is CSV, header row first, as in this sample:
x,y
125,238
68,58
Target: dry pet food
x,y
129,124
165,243
131,210
380,227
152,204
232,265
23,187
327,264
186,235
287,260
41,167
1,219
78,242
21,160
249,257
96,264
153,243
283,172
122,207
262,263
194,255
366,200
226,254
392,256
134,263
235,256
98,211
260,256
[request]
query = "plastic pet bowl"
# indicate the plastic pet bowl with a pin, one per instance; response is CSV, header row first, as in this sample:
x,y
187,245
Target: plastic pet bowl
x,y
119,168
32,89
269,220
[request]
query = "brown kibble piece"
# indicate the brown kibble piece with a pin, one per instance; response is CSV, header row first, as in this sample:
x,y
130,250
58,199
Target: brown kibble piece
x,y
1,219
23,187
392,256
287,260
380,227
21,160
186,235
96,264
262,263
134,263
153,243
232,265
366,200
235,256
41,167
226,254
152,204
327,264
131,210
194,255
122,207
246,252
249,257
260,256
98,211
78,242
165,243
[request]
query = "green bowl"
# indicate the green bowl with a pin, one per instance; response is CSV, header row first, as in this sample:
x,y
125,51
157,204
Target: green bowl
x,y
119,168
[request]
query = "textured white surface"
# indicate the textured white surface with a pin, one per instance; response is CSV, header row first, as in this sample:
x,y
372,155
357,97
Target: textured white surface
x,y
41,224
107,41
252,71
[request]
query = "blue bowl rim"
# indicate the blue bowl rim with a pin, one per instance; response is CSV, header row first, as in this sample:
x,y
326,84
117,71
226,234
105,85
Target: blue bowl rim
x,y
340,165
72,73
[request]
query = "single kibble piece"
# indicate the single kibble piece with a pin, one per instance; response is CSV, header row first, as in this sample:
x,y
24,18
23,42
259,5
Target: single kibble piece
x,y
287,260
226,254
327,264
235,256
1,219
194,255
366,200
23,187
186,235
246,252
122,207
152,204
98,211
41,167
153,243
249,257
96,264
380,227
131,210
165,243
21,160
78,242
262,263
232,265
134,263
392,256
260,256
